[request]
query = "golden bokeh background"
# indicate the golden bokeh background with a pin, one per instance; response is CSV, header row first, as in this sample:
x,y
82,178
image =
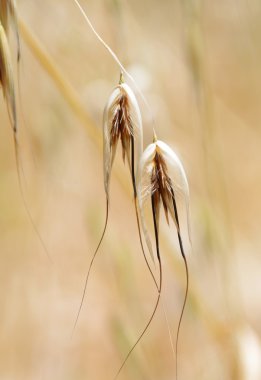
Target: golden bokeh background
x,y
198,64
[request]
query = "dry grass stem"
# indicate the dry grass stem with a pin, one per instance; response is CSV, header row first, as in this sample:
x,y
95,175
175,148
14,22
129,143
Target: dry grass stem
x,y
8,9
6,77
8,15
113,54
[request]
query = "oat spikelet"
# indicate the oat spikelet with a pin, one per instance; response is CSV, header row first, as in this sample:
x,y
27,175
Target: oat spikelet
x,y
121,121
161,178
161,173
6,77
8,15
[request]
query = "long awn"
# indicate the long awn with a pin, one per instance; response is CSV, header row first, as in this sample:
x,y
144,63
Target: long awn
x,y
161,176
121,122
131,162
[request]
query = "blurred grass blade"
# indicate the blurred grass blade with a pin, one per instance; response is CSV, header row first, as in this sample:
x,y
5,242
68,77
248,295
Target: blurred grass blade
x,y
6,77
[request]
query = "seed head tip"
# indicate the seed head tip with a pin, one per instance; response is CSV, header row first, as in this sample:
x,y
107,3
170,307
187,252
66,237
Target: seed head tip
x,y
155,139
121,78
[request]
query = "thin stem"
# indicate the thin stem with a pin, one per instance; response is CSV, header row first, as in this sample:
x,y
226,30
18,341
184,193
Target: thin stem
x,y
159,293
136,211
12,112
187,277
142,247
168,327
114,56
90,266
19,171
18,54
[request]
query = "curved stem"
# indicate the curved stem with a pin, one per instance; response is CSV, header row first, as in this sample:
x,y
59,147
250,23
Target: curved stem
x,y
113,54
137,213
19,171
90,267
159,292
187,276
142,247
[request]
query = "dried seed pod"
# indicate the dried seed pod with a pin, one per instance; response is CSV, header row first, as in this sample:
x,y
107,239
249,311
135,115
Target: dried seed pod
x,y
121,121
8,15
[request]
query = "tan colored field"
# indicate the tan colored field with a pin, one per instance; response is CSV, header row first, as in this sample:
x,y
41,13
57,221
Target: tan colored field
x,y
198,65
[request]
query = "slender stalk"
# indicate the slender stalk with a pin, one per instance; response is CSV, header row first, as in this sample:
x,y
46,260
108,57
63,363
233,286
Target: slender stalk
x,y
142,247
113,54
19,169
159,292
136,211
187,277
9,92
90,266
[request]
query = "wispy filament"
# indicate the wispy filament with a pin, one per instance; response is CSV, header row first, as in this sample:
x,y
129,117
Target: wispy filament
x,y
121,122
161,177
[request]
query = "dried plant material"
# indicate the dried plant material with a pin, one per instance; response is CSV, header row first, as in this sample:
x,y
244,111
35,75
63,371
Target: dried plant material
x,y
7,84
4,13
112,53
6,78
8,15
121,122
161,174
160,177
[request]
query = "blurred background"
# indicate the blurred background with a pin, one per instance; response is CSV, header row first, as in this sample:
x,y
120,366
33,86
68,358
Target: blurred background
x,y
198,64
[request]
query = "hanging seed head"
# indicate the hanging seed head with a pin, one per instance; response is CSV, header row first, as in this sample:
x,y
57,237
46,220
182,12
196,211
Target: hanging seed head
x,y
6,76
161,176
121,121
